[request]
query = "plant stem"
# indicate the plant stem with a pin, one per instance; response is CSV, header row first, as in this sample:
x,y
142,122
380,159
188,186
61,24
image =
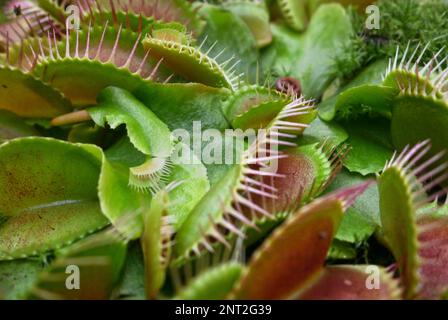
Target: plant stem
x,y
71,118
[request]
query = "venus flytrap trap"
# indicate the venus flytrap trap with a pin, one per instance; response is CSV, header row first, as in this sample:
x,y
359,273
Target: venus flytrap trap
x,y
134,15
422,95
247,98
301,273
259,115
304,174
411,89
418,245
193,64
55,202
129,172
142,14
108,56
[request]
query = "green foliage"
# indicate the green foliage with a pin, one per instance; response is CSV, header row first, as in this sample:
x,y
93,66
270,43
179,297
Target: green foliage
x,y
105,130
401,21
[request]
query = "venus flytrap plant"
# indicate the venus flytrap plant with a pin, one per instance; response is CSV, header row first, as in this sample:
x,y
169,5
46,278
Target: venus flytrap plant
x,y
20,55
209,222
116,107
117,198
146,132
130,13
143,80
180,11
142,14
151,166
179,105
410,90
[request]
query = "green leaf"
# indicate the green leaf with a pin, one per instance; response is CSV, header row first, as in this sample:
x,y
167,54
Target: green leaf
x,y
208,210
179,105
329,28
132,285
88,133
81,77
320,131
145,130
341,250
370,145
279,57
193,185
362,218
294,12
370,76
119,200
428,119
